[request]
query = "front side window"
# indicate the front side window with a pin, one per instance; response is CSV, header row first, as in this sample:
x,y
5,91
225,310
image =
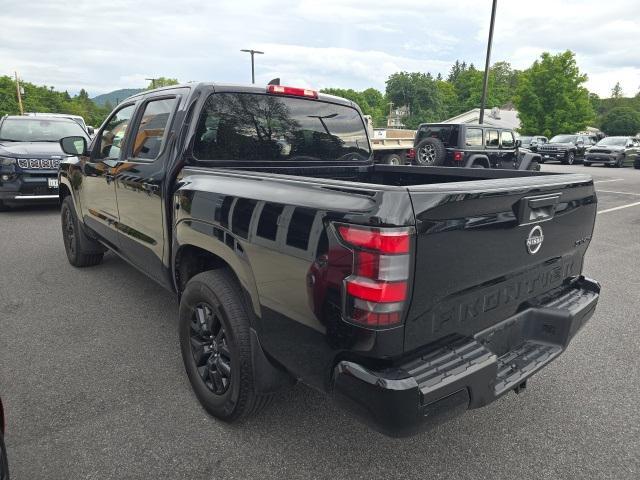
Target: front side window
x,y
261,127
507,140
114,132
150,136
491,138
473,137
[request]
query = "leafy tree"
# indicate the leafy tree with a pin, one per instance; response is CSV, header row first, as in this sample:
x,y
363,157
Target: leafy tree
x,y
621,121
419,92
551,98
616,91
371,102
162,82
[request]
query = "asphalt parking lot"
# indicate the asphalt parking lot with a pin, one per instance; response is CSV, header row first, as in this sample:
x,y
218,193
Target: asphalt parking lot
x,y
94,387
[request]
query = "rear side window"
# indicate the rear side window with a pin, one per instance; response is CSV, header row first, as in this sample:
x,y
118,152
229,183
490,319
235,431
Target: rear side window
x,y
447,134
150,136
268,223
242,213
473,137
261,127
491,138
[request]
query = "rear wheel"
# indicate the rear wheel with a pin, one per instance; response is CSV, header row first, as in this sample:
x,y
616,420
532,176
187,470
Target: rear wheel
x,y
430,152
392,159
216,346
81,250
4,464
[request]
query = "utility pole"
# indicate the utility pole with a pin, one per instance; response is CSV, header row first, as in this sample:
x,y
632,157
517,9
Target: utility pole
x,y
153,82
19,94
252,52
485,82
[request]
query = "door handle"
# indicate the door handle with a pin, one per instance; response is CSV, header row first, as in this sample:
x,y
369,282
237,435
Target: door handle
x,y
537,209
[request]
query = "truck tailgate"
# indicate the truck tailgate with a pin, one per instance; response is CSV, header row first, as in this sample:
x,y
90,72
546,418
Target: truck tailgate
x,y
487,249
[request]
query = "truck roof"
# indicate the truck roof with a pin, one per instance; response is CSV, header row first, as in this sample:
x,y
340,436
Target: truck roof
x,y
238,88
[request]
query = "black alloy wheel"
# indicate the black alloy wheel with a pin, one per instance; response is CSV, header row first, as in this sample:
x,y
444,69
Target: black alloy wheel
x,y
209,348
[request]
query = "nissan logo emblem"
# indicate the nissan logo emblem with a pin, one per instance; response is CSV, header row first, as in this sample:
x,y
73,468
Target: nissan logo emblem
x,y
534,240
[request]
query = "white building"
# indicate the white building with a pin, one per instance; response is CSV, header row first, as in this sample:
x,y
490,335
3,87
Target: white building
x,y
494,117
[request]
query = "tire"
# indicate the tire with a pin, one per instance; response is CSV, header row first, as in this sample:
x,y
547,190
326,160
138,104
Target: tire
x,y
4,464
430,152
392,159
534,166
477,165
620,162
3,207
569,159
586,164
81,250
214,316
542,160
636,165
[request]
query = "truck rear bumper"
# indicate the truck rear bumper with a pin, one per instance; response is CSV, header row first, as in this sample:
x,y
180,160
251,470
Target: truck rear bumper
x,y
462,372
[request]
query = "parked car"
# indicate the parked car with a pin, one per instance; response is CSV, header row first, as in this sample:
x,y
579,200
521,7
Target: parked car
x,y
471,146
532,142
30,154
566,148
614,152
76,118
407,293
4,463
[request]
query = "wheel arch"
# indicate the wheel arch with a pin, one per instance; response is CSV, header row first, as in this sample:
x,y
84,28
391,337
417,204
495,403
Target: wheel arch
x,y
478,159
196,256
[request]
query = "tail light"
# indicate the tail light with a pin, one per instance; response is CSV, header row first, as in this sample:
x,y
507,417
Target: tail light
x,y
411,154
376,292
292,91
457,156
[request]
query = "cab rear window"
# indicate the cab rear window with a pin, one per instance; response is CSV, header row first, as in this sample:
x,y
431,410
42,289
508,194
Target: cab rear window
x,y
259,127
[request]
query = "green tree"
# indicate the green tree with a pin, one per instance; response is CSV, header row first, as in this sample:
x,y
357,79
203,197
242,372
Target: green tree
x,y
419,92
551,98
621,121
371,102
162,82
616,91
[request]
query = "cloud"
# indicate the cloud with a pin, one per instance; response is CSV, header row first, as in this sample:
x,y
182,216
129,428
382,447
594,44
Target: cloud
x,y
101,46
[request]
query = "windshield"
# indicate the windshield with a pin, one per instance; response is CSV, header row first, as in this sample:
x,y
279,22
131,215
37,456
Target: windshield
x,y
564,139
38,130
614,141
256,127
525,139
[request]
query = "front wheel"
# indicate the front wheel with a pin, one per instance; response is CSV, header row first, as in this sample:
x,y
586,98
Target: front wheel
x,y
570,158
81,250
620,162
216,346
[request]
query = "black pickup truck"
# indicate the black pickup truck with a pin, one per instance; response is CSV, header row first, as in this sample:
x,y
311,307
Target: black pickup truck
x,y
408,293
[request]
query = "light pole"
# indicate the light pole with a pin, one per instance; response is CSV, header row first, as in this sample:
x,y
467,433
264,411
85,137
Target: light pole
x,y
253,52
485,81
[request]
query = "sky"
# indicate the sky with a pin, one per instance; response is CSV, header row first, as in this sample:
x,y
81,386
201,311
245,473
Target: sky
x,y
106,45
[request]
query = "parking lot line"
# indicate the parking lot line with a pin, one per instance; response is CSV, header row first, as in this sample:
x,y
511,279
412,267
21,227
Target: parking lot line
x,y
622,193
619,208
611,180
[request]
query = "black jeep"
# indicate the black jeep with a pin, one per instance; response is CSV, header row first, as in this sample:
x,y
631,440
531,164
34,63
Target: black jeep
x,y
471,146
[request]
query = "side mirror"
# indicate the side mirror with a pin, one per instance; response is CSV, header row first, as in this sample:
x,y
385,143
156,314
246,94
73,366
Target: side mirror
x,y
90,130
518,143
74,145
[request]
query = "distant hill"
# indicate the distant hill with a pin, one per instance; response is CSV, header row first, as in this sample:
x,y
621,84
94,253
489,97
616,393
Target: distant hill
x,y
116,96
